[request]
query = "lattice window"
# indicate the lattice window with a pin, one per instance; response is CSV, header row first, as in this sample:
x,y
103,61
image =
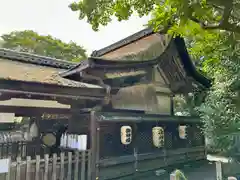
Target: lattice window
x,y
168,140
198,137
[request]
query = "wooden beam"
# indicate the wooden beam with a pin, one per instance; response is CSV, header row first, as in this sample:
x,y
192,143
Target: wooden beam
x,y
126,116
33,88
33,111
7,96
34,103
81,103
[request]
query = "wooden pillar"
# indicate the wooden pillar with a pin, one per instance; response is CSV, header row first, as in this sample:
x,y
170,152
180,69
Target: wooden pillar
x,y
172,104
94,135
37,120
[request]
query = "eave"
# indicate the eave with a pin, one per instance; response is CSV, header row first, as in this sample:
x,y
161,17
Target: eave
x,y
177,44
137,117
35,59
16,88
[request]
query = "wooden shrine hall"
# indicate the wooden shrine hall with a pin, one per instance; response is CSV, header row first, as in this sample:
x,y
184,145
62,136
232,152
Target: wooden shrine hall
x,y
136,131
121,98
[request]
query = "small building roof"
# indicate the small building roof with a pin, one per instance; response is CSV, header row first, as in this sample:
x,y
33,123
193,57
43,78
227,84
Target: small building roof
x,y
19,66
123,42
154,40
174,61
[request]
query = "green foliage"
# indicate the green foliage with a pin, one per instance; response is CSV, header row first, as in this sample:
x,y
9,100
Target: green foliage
x,y
32,42
180,175
210,14
185,104
217,54
221,110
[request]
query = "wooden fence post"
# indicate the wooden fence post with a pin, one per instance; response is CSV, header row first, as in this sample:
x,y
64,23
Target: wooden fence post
x,y
89,164
62,156
8,176
28,168
54,173
83,165
37,167
18,174
69,166
46,163
76,165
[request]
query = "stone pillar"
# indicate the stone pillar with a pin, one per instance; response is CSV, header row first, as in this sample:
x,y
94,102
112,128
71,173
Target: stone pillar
x,y
173,176
219,170
232,178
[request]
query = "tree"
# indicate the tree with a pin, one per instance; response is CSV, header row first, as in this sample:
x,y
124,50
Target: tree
x,y
210,14
32,42
220,111
217,53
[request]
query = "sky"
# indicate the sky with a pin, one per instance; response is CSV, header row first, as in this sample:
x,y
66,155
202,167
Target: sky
x,y
55,18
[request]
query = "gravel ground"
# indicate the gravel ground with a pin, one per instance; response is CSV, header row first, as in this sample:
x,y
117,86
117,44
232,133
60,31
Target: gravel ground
x,y
198,171
204,172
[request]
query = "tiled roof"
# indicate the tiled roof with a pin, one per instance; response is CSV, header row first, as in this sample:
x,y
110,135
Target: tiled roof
x,y
123,42
35,59
33,68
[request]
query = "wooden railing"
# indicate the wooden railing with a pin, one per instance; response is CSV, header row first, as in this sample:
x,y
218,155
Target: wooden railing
x,y
127,166
20,149
66,166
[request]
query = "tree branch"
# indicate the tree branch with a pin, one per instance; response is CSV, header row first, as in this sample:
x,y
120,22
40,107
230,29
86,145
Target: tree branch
x,y
222,10
224,23
227,12
204,25
224,26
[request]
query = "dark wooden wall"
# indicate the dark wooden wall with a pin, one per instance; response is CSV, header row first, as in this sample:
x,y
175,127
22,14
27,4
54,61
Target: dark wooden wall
x,y
111,146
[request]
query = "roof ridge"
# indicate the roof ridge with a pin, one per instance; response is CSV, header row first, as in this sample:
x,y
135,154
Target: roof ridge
x,y
123,42
35,59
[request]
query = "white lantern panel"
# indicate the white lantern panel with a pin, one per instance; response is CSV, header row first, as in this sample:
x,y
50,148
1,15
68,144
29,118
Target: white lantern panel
x,y
126,135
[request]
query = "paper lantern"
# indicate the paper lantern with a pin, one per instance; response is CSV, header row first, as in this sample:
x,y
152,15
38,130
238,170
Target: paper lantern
x,y
182,130
158,136
126,135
